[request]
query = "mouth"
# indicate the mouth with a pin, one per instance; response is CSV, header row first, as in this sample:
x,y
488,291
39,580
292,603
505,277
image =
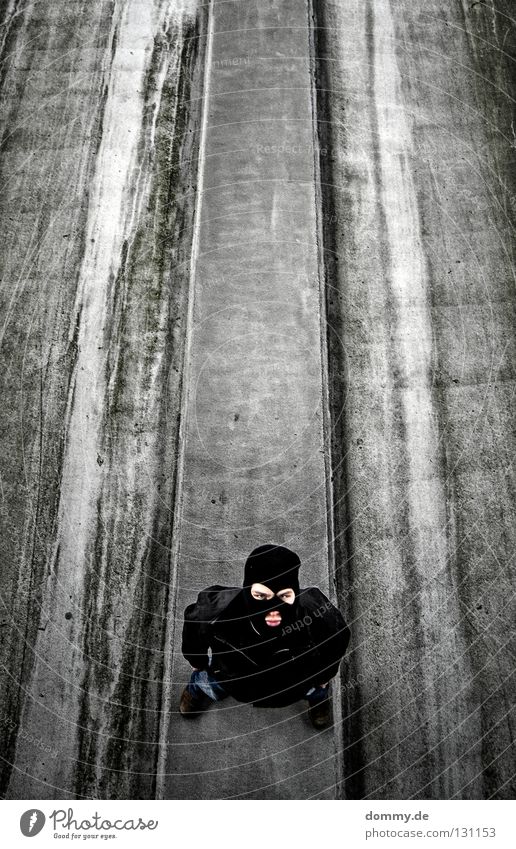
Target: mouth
x,y
273,619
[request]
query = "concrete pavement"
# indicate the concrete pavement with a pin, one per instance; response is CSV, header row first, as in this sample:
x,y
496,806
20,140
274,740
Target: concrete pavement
x,y
256,284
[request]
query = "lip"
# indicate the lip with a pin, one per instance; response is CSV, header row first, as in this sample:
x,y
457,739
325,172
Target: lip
x,y
273,620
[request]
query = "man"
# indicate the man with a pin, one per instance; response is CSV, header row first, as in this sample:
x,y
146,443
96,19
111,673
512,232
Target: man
x,y
271,643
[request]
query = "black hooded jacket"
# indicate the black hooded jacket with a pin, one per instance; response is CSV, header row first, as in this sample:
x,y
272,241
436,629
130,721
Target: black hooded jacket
x,y
268,671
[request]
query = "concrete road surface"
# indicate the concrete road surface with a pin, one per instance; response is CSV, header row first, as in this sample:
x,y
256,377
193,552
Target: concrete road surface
x,y
257,284
253,466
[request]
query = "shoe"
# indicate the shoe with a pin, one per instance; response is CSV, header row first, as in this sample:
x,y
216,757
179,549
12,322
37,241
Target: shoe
x,y
188,706
320,714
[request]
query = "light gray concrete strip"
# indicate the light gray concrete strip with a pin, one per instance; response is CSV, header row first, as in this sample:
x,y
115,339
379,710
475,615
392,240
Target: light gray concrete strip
x,y
253,467
417,216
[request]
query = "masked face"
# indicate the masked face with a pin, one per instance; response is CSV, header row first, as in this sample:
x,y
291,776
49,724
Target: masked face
x,y
270,610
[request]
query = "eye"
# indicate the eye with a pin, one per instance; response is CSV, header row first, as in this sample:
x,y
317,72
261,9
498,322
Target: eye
x,y
259,596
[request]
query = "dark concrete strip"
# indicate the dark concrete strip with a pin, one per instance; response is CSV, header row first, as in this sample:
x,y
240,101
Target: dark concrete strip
x,y
104,267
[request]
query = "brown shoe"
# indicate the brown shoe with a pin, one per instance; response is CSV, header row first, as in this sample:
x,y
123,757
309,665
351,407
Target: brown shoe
x,y
188,706
320,714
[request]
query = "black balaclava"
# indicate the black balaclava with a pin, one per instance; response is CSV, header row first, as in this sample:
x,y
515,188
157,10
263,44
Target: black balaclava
x,y
277,568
